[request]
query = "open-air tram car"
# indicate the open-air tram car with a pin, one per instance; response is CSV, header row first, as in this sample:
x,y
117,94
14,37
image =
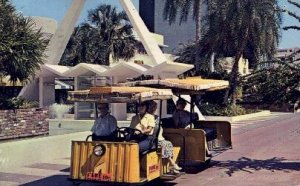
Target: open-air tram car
x,y
118,160
194,142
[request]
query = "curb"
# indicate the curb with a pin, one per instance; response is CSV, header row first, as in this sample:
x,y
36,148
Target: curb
x,y
238,118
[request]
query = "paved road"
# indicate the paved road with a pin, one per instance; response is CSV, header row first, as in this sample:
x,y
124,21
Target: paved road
x,y
265,152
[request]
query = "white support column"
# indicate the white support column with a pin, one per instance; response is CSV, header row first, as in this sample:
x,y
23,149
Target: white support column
x,y
164,113
75,104
212,63
147,39
56,46
119,110
41,92
59,40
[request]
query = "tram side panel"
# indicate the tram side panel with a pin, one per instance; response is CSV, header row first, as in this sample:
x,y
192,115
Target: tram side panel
x,y
118,163
192,143
223,132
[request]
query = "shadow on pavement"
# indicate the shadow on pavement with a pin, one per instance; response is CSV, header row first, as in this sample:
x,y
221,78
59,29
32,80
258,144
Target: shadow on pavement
x,y
195,168
250,165
55,180
62,180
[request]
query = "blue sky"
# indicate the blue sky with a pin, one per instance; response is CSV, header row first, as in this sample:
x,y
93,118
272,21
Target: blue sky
x,y
56,9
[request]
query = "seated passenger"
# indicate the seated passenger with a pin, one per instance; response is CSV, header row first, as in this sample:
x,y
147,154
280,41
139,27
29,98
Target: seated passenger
x,y
105,125
145,123
181,117
166,146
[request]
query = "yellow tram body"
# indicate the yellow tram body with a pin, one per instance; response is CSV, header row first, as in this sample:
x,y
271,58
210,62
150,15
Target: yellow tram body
x,y
119,161
193,142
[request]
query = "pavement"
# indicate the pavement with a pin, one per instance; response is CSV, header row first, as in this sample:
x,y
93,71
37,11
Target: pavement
x,y
265,153
46,160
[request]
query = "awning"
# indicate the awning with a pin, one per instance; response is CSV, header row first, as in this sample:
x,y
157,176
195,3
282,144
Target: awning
x,y
117,94
188,85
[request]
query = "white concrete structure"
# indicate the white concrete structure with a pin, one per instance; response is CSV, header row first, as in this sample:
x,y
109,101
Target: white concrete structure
x,y
61,37
54,51
47,25
158,64
139,26
287,54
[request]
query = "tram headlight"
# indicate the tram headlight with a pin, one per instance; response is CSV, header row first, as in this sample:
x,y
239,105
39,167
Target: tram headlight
x,y
99,150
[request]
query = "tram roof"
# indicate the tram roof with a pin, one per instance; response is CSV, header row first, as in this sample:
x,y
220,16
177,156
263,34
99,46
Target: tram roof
x,y
190,85
119,94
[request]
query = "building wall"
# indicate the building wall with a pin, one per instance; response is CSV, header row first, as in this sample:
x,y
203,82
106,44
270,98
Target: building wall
x,y
151,12
227,63
283,54
47,90
23,123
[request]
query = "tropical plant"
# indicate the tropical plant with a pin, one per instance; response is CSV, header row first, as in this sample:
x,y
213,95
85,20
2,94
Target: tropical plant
x,y
278,85
292,14
115,32
241,28
21,45
106,33
80,46
20,103
184,8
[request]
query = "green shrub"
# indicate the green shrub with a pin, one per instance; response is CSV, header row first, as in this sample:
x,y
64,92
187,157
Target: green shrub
x,y
230,110
19,102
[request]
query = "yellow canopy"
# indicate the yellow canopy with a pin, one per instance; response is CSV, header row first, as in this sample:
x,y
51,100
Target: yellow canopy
x,y
117,94
191,84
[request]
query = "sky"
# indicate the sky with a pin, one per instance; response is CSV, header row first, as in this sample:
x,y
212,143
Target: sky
x,y
56,9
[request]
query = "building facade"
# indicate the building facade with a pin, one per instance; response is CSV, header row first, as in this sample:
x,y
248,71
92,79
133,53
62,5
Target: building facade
x,y
151,12
289,54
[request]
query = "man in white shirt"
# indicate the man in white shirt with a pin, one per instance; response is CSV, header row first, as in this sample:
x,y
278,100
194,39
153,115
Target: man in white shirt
x,y
105,125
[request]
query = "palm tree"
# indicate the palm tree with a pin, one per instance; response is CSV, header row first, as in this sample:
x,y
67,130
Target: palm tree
x,y
294,15
185,7
80,46
21,46
107,33
113,34
242,28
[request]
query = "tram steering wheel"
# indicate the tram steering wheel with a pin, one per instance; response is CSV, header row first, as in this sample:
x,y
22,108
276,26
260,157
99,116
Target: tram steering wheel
x,y
130,133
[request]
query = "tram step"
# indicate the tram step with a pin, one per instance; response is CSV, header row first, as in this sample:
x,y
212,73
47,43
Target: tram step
x,y
171,176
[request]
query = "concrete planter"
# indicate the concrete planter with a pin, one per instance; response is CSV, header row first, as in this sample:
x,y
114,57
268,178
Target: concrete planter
x,y
237,118
23,123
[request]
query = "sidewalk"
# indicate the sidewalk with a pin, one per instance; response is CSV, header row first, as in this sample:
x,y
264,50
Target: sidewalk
x,y
38,160
58,127
29,159
57,144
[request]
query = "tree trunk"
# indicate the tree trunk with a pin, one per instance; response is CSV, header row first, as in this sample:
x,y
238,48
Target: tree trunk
x,y
198,37
212,63
235,71
197,57
107,62
231,91
235,79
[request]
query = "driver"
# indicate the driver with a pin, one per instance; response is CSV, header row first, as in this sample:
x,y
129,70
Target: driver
x,y
144,122
105,125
